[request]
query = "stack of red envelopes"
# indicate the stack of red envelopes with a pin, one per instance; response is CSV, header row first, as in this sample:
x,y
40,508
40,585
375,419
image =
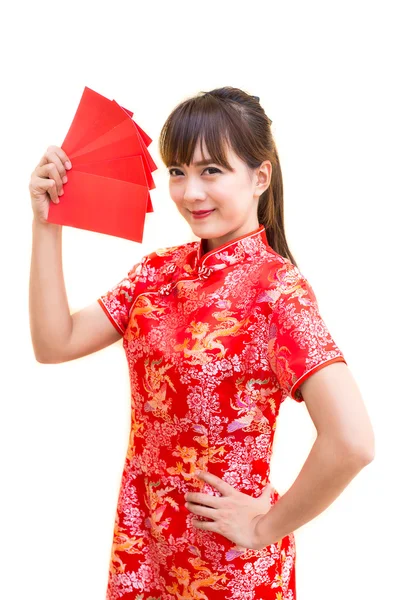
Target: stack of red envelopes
x,y
108,186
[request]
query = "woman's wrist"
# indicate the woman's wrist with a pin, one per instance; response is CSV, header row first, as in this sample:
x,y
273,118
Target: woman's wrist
x,y
38,224
262,536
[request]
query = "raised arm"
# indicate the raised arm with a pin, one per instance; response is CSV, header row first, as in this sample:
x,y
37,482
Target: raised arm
x,y
57,336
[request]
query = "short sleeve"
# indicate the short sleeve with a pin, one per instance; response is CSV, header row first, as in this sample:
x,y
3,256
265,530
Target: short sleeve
x,y
299,343
117,301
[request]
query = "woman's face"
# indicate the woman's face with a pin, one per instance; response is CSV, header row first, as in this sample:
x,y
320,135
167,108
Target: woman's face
x,y
230,196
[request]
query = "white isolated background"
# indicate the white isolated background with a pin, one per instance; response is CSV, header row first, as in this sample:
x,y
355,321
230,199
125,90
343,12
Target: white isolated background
x,y
327,75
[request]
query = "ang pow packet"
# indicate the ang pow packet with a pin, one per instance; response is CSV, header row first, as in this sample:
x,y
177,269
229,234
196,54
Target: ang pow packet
x,y
108,186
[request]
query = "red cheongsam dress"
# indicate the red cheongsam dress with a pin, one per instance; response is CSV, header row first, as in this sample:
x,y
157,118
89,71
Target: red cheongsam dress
x,y
215,342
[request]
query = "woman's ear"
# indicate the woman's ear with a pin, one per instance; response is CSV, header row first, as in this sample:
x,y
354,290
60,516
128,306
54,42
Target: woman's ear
x,y
264,174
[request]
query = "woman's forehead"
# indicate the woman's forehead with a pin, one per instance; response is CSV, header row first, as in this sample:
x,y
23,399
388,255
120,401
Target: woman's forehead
x,y
202,154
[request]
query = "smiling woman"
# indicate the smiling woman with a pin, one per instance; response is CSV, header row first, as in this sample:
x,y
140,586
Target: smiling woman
x,y
231,329
217,130
224,199
217,333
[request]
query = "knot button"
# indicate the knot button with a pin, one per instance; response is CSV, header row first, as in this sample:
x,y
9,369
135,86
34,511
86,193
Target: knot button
x,y
204,272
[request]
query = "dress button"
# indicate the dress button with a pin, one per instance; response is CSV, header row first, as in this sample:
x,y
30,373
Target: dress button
x,y
204,272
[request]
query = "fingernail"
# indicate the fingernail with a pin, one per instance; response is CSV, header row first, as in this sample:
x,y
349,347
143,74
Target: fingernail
x,y
68,165
61,193
65,179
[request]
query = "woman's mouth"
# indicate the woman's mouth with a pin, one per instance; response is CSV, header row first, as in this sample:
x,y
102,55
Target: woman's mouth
x,y
200,214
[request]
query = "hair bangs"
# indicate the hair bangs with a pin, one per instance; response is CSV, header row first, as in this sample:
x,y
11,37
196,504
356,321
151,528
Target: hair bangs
x,y
197,120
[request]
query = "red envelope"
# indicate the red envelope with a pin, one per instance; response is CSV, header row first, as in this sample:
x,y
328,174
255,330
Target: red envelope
x,y
101,204
130,113
120,142
108,186
107,120
127,169
146,139
90,108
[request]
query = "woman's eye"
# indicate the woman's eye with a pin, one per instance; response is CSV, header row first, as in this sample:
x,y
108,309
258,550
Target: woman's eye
x,y
207,169
212,169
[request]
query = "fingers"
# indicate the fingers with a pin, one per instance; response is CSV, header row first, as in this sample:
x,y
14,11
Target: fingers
x,y
50,171
59,153
203,499
58,163
39,185
200,510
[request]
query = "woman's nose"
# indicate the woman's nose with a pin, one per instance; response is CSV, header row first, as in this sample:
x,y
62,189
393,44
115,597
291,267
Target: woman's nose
x,y
193,191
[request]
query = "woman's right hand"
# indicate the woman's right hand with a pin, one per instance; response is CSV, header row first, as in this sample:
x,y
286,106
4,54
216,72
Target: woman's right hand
x,y
47,181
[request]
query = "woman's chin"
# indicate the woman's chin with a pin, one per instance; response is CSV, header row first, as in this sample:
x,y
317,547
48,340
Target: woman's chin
x,y
202,229
205,232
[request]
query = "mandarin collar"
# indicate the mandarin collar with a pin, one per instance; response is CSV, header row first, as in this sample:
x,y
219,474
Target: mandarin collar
x,y
246,248
241,249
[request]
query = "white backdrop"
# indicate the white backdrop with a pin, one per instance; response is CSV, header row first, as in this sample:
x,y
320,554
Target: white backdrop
x,y
326,74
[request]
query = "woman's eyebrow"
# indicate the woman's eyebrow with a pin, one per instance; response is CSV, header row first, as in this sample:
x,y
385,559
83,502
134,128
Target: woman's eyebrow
x,y
199,163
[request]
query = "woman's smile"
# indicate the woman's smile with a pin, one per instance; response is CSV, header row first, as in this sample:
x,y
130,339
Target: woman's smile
x,y
200,214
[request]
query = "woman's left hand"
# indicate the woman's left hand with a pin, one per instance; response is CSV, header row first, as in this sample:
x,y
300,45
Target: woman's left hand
x,y
234,514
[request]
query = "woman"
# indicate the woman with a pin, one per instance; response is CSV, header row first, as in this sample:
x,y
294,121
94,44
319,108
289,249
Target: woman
x,y
217,333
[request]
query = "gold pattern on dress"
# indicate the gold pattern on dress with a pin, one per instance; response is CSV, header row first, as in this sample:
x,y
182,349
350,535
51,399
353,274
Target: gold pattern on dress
x,y
123,543
156,383
191,587
145,308
208,341
189,456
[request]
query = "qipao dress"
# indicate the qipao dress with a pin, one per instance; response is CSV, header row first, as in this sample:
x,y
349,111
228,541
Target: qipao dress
x,y
215,341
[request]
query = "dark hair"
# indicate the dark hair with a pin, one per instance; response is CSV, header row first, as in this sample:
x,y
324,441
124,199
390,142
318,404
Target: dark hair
x,y
228,115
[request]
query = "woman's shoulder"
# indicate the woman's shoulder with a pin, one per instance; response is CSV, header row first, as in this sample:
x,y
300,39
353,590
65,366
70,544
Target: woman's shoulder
x,y
174,254
281,277
164,261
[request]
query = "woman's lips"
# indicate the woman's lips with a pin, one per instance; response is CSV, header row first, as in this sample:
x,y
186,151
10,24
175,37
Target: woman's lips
x,y
202,213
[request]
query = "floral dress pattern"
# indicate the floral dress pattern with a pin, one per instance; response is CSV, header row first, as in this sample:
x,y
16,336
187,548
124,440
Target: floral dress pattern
x,y
215,341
